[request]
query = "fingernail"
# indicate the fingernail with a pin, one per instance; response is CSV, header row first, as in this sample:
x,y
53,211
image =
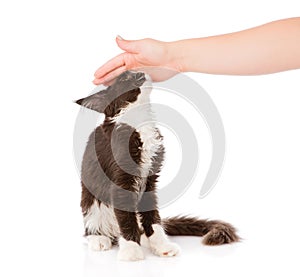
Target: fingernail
x,y
119,37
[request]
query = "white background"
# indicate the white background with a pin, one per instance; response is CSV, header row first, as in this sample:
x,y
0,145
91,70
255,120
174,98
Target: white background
x,y
49,52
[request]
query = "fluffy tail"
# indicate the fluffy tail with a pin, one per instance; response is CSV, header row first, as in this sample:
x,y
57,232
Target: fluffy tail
x,y
215,232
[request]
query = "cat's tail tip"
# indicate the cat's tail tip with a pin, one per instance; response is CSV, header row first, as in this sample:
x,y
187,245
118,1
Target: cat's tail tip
x,y
221,233
214,232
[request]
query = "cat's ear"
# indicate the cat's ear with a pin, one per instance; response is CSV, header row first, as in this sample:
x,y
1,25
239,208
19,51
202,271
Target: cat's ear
x,y
96,102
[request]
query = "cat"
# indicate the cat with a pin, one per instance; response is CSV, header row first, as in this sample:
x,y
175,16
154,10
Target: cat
x,y
119,173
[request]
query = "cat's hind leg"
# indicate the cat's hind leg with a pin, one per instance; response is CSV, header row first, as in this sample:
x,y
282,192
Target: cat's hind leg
x,y
101,227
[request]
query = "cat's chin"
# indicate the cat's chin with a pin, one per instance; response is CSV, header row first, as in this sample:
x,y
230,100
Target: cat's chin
x,y
148,78
146,88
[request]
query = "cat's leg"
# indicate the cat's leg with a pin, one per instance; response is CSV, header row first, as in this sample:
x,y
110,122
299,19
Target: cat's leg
x,y
158,241
98,221
129,241
160,244
150,219
99,243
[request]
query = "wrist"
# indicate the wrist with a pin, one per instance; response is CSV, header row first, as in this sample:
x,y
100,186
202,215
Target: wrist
x,y
175,56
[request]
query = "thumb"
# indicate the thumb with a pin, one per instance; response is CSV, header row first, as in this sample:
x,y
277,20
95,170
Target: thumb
x,y
131,46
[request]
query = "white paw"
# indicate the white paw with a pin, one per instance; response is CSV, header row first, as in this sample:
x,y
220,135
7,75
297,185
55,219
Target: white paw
x,y
167,249
160,244
99,243
129,251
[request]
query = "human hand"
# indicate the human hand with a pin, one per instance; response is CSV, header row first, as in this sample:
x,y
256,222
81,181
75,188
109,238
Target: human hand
x,y
149,54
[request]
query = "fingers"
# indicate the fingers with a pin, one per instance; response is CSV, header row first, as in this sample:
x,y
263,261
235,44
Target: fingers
x,y
117,65
131,46
110,76
109,66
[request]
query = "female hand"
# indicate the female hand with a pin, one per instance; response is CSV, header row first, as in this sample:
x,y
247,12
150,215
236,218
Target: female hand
x,y
148,54
269,48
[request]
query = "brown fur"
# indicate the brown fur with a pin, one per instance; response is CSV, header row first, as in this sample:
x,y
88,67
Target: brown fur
x,y
215,232
110,185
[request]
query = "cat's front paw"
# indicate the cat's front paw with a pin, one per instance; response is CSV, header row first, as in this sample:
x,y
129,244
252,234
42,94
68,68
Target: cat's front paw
x,y
99,243
160,244
130,251
166,249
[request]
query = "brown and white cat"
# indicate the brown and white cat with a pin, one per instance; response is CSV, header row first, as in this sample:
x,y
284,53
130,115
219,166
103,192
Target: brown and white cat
x,y
119,173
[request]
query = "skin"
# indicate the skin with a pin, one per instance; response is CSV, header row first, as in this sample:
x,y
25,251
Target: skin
x,y
269,48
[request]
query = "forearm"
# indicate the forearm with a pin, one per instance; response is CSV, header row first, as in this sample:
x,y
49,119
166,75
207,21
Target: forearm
x,y
265,49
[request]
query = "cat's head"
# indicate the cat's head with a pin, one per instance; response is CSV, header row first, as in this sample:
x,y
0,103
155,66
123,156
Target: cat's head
x,y
125,90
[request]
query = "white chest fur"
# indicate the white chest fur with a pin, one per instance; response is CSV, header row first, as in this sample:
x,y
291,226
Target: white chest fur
x,y
151,143
139,115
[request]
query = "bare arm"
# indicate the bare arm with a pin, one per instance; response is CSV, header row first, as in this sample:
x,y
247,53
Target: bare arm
x,y
265,49
269,48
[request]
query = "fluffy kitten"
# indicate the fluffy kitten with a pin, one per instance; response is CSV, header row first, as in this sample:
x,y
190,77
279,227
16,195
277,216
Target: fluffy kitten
x,y
119,173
